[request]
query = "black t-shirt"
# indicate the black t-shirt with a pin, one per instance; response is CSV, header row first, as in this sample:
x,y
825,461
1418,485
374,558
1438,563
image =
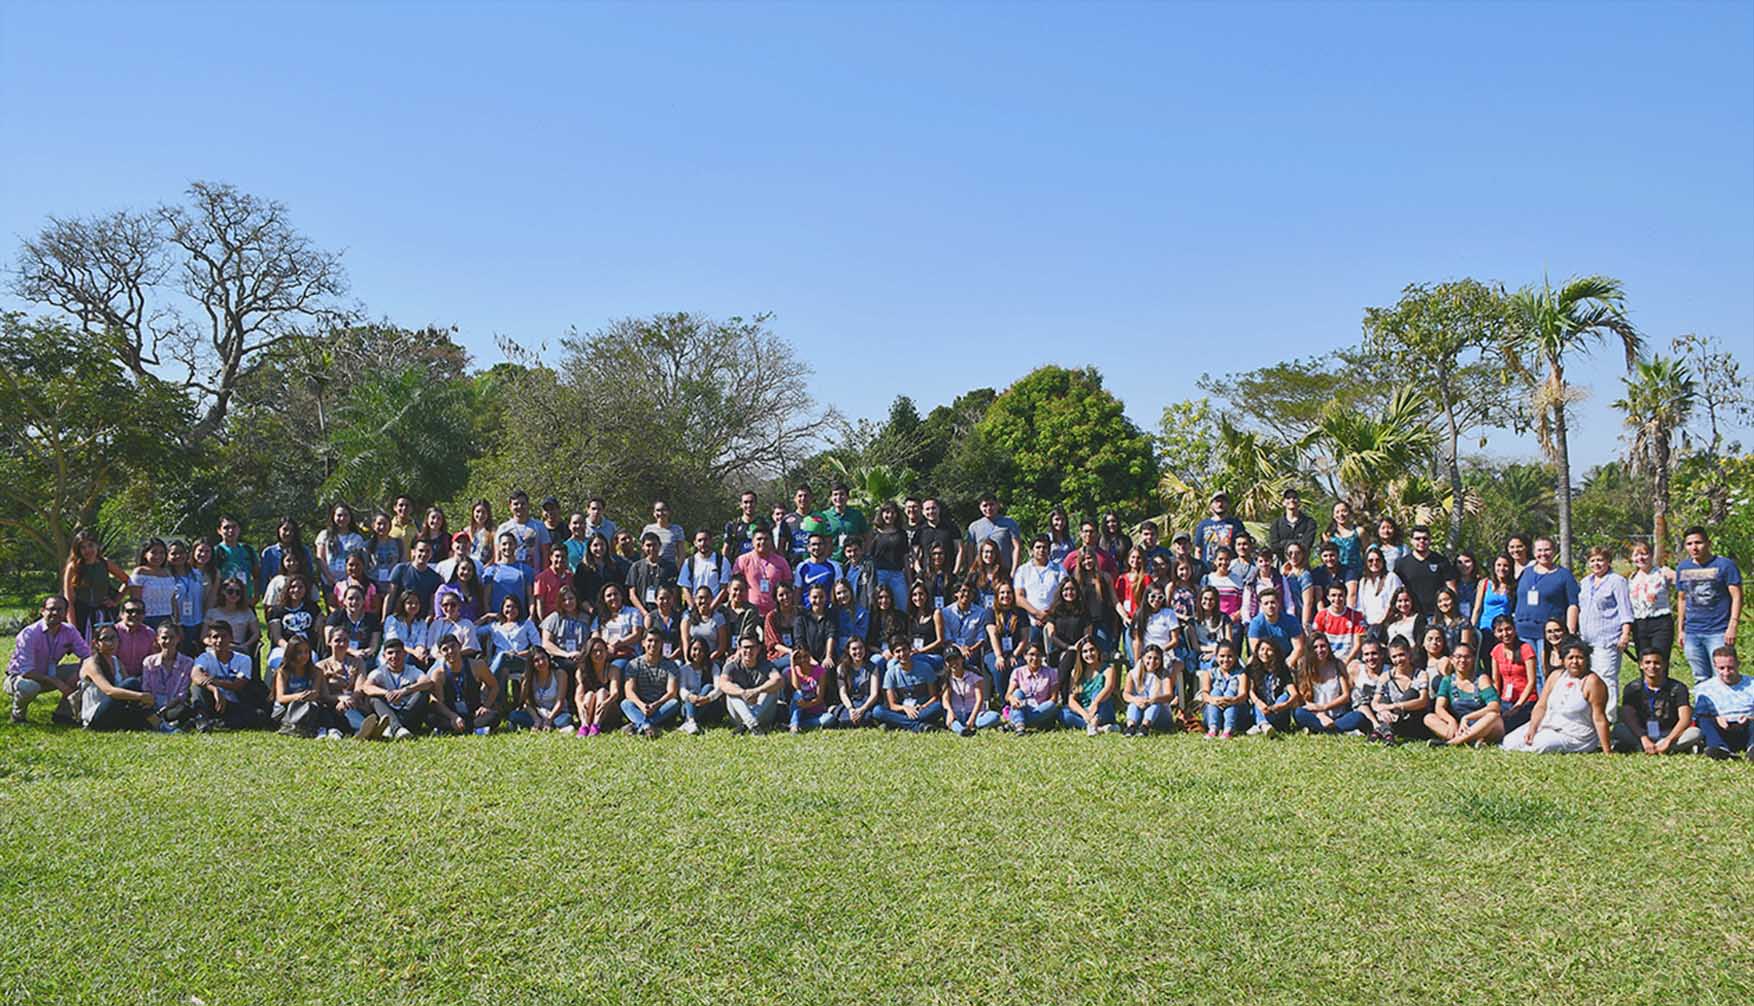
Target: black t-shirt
x,y
359,632
1425,577
306,621
424,582
945,534
1663,705
889,549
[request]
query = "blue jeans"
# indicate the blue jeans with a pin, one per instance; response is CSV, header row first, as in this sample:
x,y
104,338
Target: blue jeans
x,y
1698,646
1222,717
640,721
896,581
1105,715
804,719
505,664
927,714
843,717
999,680
1280,720
1034,715
982,720
1734,738
522,718
1153,717
1344,723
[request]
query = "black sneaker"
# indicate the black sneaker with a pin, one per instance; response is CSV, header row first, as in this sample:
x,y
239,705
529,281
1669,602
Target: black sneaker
x,y
1720,754
1439,742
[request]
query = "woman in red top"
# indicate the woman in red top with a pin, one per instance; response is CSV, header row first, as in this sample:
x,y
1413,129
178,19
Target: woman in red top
x,y
1513,673
1130,594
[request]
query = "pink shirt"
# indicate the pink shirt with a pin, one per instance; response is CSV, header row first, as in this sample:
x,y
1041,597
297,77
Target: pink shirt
x,y
37,651
807,685
133,646
1038,686
166,684
963,693
762,573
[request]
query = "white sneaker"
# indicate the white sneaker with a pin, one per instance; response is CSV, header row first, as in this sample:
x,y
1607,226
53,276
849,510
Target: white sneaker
x,y
690,727
1090,729
331,734
1268,730
401,734
1252,731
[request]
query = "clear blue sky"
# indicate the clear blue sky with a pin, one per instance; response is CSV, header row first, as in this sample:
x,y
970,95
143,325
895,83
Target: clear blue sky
x,y
931,197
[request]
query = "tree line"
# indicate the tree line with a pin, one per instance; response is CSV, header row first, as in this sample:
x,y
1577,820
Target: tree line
x,y
201,357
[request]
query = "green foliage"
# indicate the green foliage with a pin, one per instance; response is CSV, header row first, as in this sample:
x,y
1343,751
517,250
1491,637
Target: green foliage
x,y
1516,498
1362,453
1286,399
74,428
1612,507
402,432
1254,468
872,485
1069,444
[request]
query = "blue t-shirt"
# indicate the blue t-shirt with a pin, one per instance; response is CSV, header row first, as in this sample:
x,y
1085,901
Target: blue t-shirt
x,y
1281,632
1712,697
1214,532
810,573
1707,592
1541,596
917,682
505,580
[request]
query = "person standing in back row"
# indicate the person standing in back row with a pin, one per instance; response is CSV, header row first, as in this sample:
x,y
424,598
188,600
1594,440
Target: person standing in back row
x,y
529,536
1425,572
1002,531
672,539
1708,602
1544,591
1217,531
1293,526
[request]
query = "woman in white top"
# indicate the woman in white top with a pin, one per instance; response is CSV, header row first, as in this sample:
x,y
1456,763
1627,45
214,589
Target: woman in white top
x,y
1653,613
1376,588
334,544
153,584
408,625
1149,693
1572,712
1322,679
545,695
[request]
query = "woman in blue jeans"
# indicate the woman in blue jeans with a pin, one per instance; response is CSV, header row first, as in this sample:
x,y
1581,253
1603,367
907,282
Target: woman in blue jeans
x,y
1327,691
1224,691
1090,694
1272,689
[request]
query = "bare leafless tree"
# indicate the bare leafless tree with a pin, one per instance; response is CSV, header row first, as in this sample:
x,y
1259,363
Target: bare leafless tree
x,y
101,271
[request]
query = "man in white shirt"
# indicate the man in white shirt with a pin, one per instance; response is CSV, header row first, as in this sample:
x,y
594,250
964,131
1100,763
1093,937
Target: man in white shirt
x,y
530,535
1035,582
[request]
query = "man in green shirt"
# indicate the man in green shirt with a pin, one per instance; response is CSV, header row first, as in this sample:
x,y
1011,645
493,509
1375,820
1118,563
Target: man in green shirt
x,y
842,522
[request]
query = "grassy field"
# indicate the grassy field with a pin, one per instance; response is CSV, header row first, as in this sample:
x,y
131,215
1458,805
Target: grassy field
x,y
863,868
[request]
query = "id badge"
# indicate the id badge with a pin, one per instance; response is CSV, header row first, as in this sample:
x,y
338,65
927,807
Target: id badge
x,y
766,585
1534,597
1653,730
651,595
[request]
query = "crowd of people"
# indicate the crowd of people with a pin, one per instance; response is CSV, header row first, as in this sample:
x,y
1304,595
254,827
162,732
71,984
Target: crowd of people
x,y
803,618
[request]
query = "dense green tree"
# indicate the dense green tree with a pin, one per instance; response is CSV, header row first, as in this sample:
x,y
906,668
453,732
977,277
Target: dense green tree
x,y
1285,399
1069,443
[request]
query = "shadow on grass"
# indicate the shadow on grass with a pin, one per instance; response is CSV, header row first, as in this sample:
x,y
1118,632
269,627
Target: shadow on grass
x,y
1508,811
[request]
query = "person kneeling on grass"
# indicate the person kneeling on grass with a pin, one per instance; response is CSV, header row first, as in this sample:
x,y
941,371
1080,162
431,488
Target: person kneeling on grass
x,y
36,665
1326,688
221,686
1403,696
1571,714
964,696
1090,694
859,679
1466,707
650,682
1034,691
1273,694
468,696
300,689
910,688
108,701
751,686
1656,716
809,683
544,695
1724,704
1149,693
399,692
1224,692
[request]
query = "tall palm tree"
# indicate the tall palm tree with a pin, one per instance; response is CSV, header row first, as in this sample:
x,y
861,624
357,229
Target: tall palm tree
x,y
1659,400
1549,325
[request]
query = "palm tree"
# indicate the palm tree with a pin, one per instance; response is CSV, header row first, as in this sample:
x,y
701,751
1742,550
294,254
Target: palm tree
x,y
1364,453
872,485
1658,402
1548,325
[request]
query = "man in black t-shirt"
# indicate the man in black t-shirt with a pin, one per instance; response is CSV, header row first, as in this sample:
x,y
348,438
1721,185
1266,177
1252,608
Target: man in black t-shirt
x,y
1656,713
937,529
1423,571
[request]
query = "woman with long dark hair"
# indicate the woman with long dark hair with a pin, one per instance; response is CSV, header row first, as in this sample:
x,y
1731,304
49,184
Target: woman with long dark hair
x,y
92,582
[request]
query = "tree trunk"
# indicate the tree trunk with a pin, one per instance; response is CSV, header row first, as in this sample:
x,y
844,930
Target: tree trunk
x,y
1455,464
1659,545
1562,462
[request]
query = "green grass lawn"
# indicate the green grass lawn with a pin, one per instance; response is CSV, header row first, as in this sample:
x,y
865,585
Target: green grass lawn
x,y
863,868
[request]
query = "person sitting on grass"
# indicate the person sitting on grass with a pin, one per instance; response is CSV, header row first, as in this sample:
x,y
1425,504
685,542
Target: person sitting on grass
x,y
1326,688
1149,693
1724,705
300,690
108,701
697,686
400,695
544,695
342,672
36,665
1656,715
751,686
514,638
1033,699
1224,692
467,698
1090,692
1572,713
808,680
1272,687
1513,674
910,688
859,678
964,696
1367,674
596,687
1402,698
1466,707
166,674
649,688
223,688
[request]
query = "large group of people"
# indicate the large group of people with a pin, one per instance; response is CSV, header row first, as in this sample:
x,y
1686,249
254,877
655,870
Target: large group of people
x,y
395,625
